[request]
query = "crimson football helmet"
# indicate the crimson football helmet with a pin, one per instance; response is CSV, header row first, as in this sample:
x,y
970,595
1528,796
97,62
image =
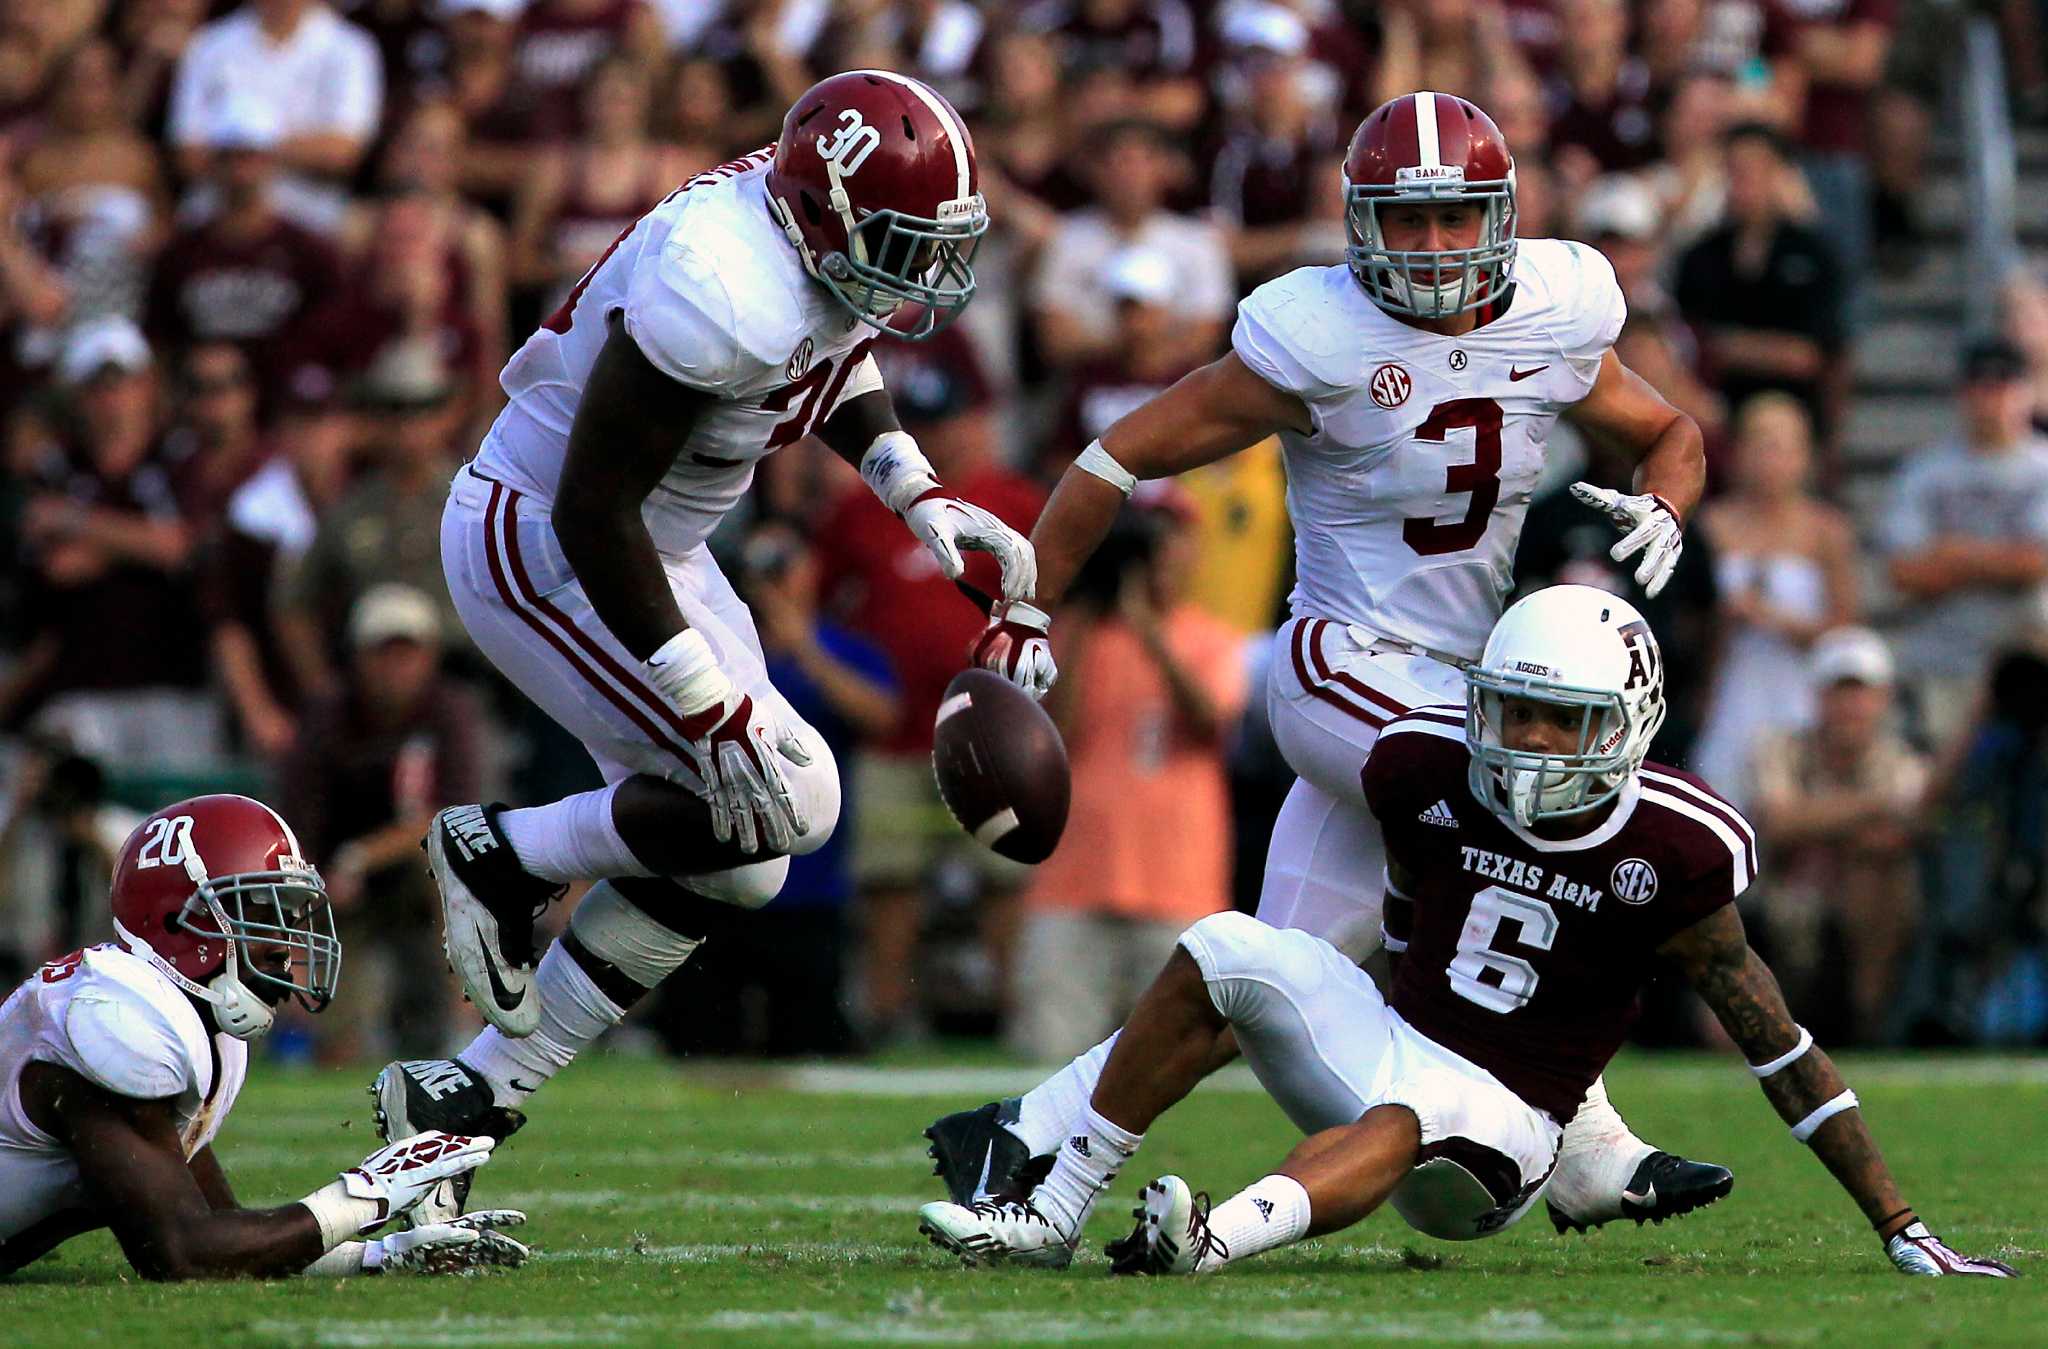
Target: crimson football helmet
x,y
203,891
874,182
1422,148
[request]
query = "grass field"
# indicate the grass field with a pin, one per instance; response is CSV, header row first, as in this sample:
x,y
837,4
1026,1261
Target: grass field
x,y
778,1207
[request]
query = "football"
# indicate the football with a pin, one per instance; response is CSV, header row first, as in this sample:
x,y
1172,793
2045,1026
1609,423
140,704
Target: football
x,y
1001,766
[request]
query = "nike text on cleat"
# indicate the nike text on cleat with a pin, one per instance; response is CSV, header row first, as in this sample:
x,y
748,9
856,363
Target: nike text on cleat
x,y
488,907
1172,1235
976,1156
996,1231
1663,1186
416,1095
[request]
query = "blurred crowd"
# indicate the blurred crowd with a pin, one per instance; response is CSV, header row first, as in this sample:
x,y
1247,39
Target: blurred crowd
x,y
260,264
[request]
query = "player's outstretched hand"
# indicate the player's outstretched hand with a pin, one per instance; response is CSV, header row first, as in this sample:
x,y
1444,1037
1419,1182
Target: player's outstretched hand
x,y
1651,527
400,1175
947,524
1915,1250
1016,644
472,1241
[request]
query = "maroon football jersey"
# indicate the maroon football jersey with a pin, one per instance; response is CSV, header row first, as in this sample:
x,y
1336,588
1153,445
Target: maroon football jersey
x,y
1526,954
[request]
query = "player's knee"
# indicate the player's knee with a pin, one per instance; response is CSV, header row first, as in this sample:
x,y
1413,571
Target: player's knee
x,y
747,887
816,787
1238,956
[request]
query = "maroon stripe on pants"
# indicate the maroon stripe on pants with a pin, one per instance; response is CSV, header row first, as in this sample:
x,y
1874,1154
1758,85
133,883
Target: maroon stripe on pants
x,y
1308,682
1357,686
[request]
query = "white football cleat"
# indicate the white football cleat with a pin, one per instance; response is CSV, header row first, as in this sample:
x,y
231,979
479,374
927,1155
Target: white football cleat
x,y
488,907
995,1231
1172,1235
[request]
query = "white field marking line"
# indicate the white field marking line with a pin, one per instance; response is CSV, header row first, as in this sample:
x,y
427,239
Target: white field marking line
x,y
541,1202
458,1332
682,1159
713,1252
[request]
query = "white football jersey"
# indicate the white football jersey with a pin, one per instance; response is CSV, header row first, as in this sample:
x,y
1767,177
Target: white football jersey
x,y
716,298
114,1020
1409,494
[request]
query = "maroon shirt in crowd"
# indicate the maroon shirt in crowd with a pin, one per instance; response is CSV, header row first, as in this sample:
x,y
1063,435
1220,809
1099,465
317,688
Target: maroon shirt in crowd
x,y
254,292
351,773
1837,115
1525,954
557,50
1619,129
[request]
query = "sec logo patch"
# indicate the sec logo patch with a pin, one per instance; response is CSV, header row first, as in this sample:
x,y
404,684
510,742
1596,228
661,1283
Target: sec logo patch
x,y
800,360
1391,385
1634,881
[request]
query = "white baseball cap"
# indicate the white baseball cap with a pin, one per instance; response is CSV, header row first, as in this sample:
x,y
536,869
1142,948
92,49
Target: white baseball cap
x,y
243,121
390,612
1618,205
1851,654
1142,274
95,344
1257,26
507,10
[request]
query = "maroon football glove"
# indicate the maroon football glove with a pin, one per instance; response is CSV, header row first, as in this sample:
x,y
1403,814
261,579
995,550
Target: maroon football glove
x,y
1016,646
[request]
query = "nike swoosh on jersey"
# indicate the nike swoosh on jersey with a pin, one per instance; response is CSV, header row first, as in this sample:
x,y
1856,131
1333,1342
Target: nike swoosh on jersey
x,y
1514,374
506,998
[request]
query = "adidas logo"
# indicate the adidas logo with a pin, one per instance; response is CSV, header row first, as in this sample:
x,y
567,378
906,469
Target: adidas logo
x,y
1079,1143
470,830
1439,815
1265,1208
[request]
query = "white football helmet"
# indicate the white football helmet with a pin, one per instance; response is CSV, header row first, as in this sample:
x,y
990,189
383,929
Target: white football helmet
x,y
1572,646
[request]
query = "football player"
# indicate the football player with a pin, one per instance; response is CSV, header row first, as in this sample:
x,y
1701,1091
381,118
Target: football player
x,y
119,1064
733,319
1545,864
1413,390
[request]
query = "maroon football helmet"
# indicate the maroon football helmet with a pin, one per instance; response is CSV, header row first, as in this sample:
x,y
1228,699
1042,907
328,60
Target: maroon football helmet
x,y
874,182
201,883
1423,148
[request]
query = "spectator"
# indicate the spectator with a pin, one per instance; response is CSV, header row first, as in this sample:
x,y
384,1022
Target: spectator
x,y
1765,292
886,586
699,117
394,743
111,664
1966,534
246,274
33,299
1266,181
1075,321
1690,182
1601,114
938,41
772,981
2026,326
1747,47
1618,215
497,115
1140,361
150,39
1152,691
59,837
387,528
1837,808
1150,45
1785,564
559,47
1843,46
319,78
1458,46
96,187
581,196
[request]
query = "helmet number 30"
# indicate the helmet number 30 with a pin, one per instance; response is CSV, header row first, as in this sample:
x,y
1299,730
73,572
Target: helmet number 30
x,y
851,143
1499,982
168,840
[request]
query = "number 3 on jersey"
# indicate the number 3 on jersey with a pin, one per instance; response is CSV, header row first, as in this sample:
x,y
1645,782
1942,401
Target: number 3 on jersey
x,y
1481,477
1513,980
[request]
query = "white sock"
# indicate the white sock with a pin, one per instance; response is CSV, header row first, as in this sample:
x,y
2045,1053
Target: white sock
x,y
1087,1162
1597,1159
1267,1213
1051,1111
573,1012
573,839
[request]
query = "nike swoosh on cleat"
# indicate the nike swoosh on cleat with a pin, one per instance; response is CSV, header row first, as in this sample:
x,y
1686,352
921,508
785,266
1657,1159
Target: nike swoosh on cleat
x,y
1647,1199
517,1085
505,997
987,1159
1515,375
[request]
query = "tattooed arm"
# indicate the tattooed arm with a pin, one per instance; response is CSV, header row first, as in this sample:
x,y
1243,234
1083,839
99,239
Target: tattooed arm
x,y
1805,1088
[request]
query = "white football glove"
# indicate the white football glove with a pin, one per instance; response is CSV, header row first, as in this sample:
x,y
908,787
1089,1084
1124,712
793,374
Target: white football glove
x,y
399,1176
737,753
1915,1250
472,1241
1016,645
948,524
1651,527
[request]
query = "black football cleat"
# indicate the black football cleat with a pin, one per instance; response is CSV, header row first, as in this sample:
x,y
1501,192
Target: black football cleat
x,y
1664,1186
488,907
976,1156
415,1095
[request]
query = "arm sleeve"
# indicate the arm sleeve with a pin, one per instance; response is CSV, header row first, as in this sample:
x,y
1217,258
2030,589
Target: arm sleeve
x,y
127,1046
681,316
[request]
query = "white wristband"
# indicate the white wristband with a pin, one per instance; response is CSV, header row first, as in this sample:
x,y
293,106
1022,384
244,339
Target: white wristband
x,y
348,1259
686,670
1103,465
896,470
1786,1059
340,1214
1804,1130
